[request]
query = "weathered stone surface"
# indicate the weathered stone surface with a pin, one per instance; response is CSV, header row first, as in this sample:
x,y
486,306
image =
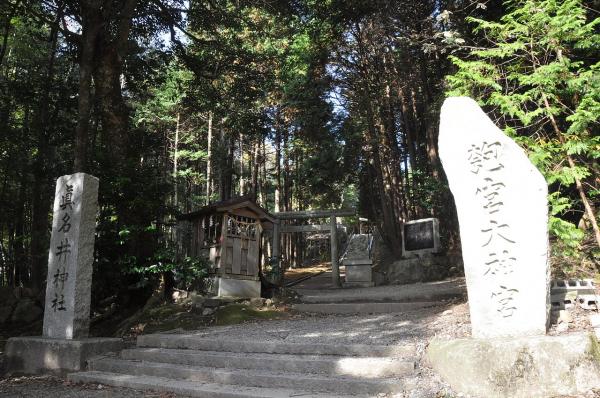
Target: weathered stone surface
x,y
35,355
69,285
526,367
257,302
358,247
212,302
238,288
359,272
502,210
416,269
26,311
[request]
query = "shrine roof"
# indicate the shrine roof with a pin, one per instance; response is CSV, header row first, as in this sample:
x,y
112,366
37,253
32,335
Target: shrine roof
x,y
229,205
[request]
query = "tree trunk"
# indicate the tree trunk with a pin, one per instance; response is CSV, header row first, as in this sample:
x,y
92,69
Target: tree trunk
x,y
175,154
6,32
209,187
20,261
589,209
255,169
91,27
40,199
277,167
241,180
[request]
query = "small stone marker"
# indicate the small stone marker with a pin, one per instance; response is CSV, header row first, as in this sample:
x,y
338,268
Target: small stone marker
x,y
71,254
502,210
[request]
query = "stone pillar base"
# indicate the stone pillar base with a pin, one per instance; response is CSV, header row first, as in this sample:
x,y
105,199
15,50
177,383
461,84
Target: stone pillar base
x,y
41,355
358,273
243,288
524,367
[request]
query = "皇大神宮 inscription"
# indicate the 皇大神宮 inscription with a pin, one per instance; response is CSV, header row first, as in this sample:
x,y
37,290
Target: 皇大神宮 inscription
x,y
485,163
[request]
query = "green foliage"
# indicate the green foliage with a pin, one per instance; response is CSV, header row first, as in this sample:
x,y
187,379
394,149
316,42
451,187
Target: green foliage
x,y
569,234
427,191
535,71
188,272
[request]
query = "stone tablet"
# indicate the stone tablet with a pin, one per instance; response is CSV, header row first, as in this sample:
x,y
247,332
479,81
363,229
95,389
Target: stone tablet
x,y
421,237
71,254
503,215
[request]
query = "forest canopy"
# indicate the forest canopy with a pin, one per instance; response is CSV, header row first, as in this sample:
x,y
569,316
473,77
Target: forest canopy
x,y
297,104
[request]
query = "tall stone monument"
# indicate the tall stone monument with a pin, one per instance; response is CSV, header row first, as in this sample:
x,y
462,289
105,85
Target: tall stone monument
x,y
502,210
501,201
64,345
71,256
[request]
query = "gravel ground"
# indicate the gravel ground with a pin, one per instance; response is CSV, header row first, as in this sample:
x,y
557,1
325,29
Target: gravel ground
x,y
448,320
53,387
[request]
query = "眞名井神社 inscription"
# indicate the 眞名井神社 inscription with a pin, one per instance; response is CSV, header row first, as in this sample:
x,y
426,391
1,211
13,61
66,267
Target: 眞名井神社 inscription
x,y
70,257
63,250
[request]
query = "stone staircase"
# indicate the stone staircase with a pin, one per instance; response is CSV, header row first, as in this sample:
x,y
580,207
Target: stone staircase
x,y
209,367
379,299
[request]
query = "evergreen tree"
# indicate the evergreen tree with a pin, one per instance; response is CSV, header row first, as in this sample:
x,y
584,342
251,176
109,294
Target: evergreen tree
x,y
536,70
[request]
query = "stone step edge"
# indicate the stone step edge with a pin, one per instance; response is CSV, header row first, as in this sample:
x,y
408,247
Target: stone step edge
x,y
262,355
192,342
188,388
384,367
363,308
250,377
343,299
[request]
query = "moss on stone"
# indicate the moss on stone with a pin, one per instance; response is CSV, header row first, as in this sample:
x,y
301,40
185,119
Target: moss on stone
x,y
521,369
594,349
238,313
161,317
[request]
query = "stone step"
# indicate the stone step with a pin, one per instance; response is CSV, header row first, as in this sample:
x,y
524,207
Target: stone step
x,y
417,292
317,364
352,297
191,388
247,377
195,342
362,308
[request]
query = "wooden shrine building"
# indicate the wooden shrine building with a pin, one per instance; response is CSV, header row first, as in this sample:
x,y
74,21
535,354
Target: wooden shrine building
x,y
231,234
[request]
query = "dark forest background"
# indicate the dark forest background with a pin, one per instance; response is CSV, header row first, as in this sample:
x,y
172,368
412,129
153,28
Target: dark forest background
x,y
298,104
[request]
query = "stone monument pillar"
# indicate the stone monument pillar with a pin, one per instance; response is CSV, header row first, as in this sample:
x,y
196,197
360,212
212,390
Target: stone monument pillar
x,y
502,209
64,345
503,215
71,256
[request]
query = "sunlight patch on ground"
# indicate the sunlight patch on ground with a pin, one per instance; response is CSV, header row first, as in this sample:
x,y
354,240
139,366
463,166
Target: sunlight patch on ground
x,y
367,367
326,334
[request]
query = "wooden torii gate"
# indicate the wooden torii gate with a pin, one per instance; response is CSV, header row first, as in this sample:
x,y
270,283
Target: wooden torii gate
x,y
303,215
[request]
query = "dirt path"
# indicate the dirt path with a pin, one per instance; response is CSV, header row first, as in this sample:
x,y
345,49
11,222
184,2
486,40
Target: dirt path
x,y
448,320
53,387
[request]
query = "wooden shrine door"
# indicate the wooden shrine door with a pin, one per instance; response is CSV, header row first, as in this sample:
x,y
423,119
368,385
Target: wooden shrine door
x,y
242,246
